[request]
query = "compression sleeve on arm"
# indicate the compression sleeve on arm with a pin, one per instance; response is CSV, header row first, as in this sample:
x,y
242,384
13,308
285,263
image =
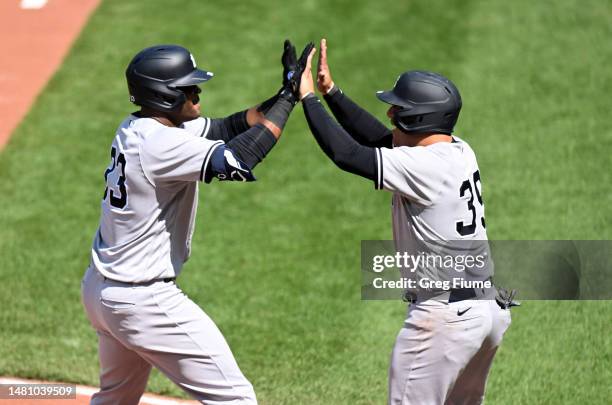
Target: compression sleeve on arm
x,y
252,145
337,144
225,129
267,104
279,112
359,123
275,109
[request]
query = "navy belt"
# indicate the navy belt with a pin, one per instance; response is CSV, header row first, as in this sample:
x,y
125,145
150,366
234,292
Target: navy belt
x,y
165,280
460,294
452,295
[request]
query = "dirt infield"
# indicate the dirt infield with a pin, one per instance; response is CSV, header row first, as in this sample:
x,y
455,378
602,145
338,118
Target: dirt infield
x,y
83,394
35,36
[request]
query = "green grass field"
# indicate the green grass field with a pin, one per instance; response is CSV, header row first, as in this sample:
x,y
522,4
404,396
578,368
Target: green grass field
x,y
276,263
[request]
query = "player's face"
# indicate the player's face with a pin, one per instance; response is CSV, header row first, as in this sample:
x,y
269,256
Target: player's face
x,y
190,109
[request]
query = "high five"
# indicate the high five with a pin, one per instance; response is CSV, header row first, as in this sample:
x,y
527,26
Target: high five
x,y
436,190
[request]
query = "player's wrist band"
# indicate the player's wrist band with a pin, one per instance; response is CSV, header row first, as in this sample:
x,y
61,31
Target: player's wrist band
x,y
333,90
310,93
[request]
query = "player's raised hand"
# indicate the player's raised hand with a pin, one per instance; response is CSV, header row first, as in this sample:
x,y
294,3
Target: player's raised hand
x,y
292,69
289,61
301,63
324,79
306,82
304,56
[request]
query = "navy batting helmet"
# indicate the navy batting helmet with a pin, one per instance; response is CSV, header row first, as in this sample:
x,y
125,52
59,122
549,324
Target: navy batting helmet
x,y
427,101
156,74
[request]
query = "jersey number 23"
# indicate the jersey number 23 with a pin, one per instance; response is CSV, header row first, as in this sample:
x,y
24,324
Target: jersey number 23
x,y
115,180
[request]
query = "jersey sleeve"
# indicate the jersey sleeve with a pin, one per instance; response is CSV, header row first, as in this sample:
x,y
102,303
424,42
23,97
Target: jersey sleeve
x,y
174,154
198,127
413,172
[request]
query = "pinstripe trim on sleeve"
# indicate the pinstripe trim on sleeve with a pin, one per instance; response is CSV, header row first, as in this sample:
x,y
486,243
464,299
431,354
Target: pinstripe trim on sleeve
x,y
207,158
378,185
206,127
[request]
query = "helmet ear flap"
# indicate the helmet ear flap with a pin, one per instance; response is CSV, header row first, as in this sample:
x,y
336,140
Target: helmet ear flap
x,y
405,122
173,102
397,121
167,100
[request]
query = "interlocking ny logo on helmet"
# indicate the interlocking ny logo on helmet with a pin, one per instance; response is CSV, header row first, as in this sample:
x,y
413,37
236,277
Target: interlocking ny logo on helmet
x,y
156,75
427,101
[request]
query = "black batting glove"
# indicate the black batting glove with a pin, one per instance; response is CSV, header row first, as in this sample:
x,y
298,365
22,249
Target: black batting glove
x,y
289,61
290,66
304,57
292,70
292,73
301,65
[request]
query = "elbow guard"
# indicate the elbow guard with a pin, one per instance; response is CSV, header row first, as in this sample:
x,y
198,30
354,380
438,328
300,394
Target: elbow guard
x,y
225,166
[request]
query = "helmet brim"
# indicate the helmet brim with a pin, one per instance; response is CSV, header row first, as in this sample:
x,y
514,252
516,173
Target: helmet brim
x,y
390,98
197,76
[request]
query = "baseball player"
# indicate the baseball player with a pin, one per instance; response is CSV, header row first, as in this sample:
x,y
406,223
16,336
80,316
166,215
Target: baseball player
x,y
157,158
444,351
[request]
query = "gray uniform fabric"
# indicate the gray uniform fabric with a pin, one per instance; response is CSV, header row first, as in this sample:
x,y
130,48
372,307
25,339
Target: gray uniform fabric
x,y
427,206
150,238
146,225
443,353
157,325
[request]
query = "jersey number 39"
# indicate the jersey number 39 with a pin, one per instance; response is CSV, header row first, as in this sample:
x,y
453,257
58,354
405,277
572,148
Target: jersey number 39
x,y
466,186
115,180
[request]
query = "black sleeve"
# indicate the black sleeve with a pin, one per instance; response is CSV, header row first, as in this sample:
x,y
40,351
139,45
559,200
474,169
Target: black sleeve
x,y
252,145
274,109
359,123
225,129
265,106
337,144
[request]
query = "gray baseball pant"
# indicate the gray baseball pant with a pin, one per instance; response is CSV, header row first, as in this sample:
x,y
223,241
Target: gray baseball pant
x,y
140,326
444,352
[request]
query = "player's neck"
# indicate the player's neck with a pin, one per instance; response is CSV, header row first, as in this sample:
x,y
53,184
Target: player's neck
x,y
158,116
402,139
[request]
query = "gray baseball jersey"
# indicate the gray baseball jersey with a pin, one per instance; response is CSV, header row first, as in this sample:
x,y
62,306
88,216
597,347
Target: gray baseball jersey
x,y
142,319
437,203
445,349
147,223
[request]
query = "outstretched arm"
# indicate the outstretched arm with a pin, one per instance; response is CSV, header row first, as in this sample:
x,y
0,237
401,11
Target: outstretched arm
x,y
249,147
348,154
338,145
359,123
362,125
225,129
267,112
251,134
